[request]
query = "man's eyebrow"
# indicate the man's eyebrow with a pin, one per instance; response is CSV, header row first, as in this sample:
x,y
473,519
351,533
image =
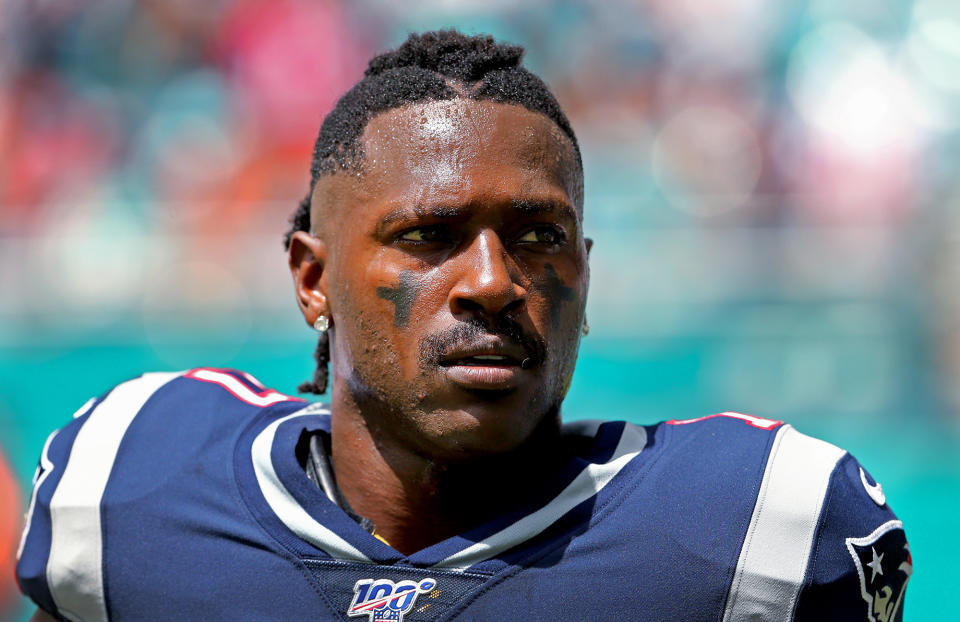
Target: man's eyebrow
x,y
524,206
434,211
536,206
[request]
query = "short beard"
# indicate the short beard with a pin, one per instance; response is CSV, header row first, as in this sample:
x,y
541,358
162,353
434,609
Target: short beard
x,y
391,411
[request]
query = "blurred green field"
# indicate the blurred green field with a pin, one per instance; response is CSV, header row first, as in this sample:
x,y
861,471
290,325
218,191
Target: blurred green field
x,y
914,457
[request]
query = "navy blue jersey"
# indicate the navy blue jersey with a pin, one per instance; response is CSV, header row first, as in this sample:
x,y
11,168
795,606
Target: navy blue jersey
x,y
181,497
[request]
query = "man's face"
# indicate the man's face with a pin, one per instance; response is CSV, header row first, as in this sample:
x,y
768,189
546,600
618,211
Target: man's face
x,y
455,274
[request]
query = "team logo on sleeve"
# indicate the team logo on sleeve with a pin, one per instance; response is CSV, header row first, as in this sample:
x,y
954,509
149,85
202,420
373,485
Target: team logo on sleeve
x,y
884,564
382,599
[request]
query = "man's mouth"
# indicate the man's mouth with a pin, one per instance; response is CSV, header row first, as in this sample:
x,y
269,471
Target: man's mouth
x,y
491,368
482,360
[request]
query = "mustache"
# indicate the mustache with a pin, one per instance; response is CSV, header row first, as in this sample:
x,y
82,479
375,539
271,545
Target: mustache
x,y
469,333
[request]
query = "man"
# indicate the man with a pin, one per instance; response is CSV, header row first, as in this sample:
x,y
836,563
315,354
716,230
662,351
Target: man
x,y
440,255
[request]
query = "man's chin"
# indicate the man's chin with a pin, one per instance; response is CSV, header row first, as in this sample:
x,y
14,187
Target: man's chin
x,y
448,422
486,426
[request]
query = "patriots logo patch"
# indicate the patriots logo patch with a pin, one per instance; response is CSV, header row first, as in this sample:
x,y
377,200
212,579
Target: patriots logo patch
x,y
884,564
382,599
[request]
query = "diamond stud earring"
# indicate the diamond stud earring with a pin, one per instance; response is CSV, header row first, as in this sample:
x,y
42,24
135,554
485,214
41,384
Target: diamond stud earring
x,y
322,323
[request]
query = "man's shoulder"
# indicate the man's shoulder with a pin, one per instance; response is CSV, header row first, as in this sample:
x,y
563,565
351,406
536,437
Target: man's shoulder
x,y
158,414
155,446
792,527
228,392
813,501
727,439
792,481
230,386
724,441
722,426
730,439
144,425
791,460
176,409
713,446
786,461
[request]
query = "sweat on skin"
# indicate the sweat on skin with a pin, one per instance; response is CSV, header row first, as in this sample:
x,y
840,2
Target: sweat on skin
x,y
461,228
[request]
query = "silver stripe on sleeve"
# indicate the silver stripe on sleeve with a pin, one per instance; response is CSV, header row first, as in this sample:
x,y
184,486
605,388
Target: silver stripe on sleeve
x,y
75,564
777,546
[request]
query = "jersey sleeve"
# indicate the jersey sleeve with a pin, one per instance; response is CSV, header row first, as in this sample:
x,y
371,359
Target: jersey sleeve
x,y
101,475
860,560
59,563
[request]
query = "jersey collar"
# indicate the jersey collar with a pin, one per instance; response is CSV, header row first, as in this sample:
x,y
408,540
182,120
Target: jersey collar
x,y
301,516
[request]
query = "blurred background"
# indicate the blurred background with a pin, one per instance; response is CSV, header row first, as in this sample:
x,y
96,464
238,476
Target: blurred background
x,y
772,189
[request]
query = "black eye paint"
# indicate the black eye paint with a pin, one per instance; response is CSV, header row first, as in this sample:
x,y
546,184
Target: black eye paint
x,y
402,296
556,292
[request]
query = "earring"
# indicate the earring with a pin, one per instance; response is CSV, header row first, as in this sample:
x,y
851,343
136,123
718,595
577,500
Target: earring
x,y
322,323
585,329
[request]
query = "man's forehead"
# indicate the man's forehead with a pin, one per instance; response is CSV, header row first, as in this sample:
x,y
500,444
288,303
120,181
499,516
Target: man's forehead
x,y
442,145
461,122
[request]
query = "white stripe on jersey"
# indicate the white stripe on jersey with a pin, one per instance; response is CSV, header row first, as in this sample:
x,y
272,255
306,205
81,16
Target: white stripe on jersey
x,y
74,566
777,546
285,506
44,469
587,484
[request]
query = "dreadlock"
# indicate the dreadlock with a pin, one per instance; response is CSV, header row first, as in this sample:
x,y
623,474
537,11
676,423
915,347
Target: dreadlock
x,y
438,65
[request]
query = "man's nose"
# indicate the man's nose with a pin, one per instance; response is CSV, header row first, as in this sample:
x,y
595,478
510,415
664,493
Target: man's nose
x,y
488,279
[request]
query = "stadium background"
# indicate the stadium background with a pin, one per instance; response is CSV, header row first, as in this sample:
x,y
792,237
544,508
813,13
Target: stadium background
x,y
772,188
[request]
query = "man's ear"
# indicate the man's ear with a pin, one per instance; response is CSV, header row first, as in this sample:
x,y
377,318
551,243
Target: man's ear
x,y
589,243
307,258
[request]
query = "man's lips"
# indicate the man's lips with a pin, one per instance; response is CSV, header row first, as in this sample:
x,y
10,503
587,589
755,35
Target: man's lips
x,y
482,359
485,377
490,352
493,365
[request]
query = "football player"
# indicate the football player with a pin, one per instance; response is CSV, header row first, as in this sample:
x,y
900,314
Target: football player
x,y
440,256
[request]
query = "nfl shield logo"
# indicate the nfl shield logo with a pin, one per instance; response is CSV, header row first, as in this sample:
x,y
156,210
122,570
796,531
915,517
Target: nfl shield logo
x,y
884,564
382,599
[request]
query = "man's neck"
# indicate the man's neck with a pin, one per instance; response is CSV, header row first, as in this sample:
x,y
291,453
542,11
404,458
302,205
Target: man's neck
x,y
415,501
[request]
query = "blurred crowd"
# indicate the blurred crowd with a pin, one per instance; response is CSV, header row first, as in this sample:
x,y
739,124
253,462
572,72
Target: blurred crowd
x,y
775,179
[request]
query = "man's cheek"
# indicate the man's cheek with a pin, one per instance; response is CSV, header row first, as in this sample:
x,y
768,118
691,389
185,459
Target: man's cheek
x,y
370,350
555,294
402,295
384,354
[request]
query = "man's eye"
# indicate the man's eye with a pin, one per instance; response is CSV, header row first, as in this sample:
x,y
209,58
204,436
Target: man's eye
x,y
543,235
425,234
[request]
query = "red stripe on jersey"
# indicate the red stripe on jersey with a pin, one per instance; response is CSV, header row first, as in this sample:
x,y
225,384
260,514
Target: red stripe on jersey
x,y
757,422
239,390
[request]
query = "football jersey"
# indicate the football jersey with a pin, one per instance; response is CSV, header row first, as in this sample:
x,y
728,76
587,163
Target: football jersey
x,y
180,496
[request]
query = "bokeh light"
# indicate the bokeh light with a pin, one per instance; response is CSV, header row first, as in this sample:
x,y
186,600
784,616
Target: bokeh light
x,y
706,160
772,190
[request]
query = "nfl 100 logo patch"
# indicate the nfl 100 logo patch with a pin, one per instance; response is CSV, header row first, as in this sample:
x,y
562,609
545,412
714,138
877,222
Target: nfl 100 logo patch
x,y
382,599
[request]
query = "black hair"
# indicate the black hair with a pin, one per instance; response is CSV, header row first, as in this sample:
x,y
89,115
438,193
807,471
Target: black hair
x,y
437,65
